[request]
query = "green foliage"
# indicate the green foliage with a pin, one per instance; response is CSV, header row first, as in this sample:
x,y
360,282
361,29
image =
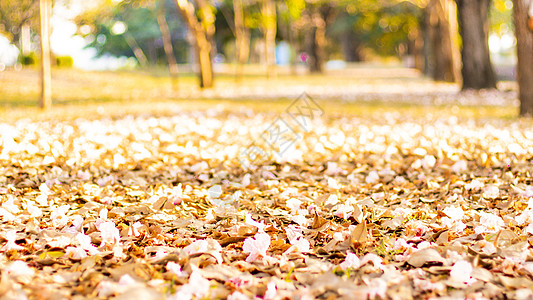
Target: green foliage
x,y
141,26
380,28
29,59
501,17
64,61
15,13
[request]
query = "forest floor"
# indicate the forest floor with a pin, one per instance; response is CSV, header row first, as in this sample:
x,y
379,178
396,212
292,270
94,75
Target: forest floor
x,y
351,193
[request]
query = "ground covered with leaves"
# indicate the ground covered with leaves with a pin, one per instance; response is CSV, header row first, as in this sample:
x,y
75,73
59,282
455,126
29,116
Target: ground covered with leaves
x,y
150,207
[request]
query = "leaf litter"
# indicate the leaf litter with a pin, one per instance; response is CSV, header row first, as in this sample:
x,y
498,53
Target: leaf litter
x,y
362,207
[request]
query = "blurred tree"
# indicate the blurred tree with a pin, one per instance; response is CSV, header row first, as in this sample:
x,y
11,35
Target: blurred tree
x,y
135,28
235,11
14,14
167,39
242,35
441,41
290,17
477,71
45,11
269,29
387,28
318,14
523,14
200,20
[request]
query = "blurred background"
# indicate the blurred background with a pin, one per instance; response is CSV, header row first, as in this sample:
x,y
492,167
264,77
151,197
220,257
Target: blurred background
x,y
176,49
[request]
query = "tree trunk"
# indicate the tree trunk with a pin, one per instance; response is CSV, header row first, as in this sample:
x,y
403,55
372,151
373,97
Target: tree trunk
x,y
317,39
45,10
167,40
524,48
442,33
477,68
242,37
137,51
351,46
25,39
202,45
419,51
268,11
207,20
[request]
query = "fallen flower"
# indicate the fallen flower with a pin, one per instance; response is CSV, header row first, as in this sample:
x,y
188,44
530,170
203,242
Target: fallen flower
x,y
209,246
198,286
75,253
19,268
350,262
461,272
271,291
58,216
175,269
85,243
454,213
249,221
371,257
489,222
110,234
256,246
491,192
198,246
299,244
11,237
237,296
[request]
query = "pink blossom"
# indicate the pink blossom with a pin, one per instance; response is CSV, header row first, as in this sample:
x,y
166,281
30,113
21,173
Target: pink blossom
x,y
376,287
198,246
427,285
33,210
174,268
299,244
19,268
528,191
528,229
6,215
256,246
371,257
271,291
42,199
238,296
249,221
491,221
491,192
126,280
474,185
372,177
455,213
205,246
11,237
76,253
134,229
293,204
77,222
106,288
110,234
400,244
459,166
424,245
343,211
85,243
198,287
300,218
350,262
293,232
58,216
461,272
